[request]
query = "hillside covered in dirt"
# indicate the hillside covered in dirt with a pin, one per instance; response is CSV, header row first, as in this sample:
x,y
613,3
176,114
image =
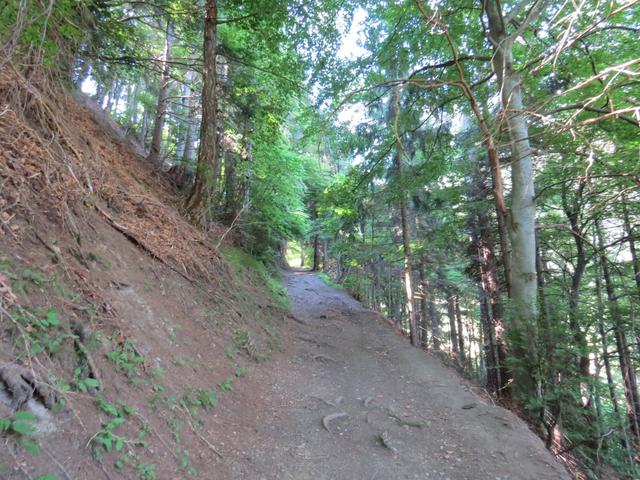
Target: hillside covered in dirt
x,y
126,332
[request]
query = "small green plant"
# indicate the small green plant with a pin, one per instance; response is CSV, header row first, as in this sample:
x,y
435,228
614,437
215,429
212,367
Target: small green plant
x,y
241,339
83,384
22,424
108,440
176,428
230,352
173,331
32,276
42,329
226,386
185,463
328,280
206,398
240,371
195,398
127,359
145,471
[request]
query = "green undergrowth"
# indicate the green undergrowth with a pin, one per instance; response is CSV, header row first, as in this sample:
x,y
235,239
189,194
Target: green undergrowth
x,y
328,280
244,264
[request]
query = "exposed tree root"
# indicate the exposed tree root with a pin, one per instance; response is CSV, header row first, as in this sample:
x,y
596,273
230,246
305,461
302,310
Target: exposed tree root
x,y
22,386
326,421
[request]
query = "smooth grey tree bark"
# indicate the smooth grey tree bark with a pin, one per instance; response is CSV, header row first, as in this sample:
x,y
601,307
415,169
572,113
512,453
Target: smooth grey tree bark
x,y
521,223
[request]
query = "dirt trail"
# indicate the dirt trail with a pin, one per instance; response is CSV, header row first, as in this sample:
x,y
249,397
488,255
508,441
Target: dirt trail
x,y
352,400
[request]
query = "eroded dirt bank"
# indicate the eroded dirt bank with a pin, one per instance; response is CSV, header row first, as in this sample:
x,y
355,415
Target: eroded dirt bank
x,y
352,400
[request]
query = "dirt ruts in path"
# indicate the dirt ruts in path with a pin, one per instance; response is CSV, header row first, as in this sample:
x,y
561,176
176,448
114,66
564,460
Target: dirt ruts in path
x,y
351,399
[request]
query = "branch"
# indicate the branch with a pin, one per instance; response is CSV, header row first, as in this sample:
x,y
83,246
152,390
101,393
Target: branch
x,y
533,13
235,19
608,113
451,63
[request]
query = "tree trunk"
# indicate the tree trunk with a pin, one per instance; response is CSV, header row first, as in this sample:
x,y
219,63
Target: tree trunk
x,y
435,320
424,307
188,151
230,187
132,105
158,126
406,240
461,353
611,383
144,129
453,334
487,276
204,187
117,93
316,253
573,215
521,223
635,262
627,371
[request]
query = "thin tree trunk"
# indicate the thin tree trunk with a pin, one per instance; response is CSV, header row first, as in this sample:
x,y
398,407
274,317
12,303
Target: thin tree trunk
x,y
424,307
627,371
435,320
406,240
453,334
132,105
635,262
161,108
573,215
494,350
230,187
611,384
461,352
117,94
144,129
189,134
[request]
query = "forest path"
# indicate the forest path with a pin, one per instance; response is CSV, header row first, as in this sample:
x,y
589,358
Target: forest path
x,y
351,399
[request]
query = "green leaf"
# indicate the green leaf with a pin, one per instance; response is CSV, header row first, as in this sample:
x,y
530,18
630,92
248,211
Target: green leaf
x,y
127,409
107,407
5,423
30,446
24,415
119,444
91,382
22,427
107,442
52,318
114,423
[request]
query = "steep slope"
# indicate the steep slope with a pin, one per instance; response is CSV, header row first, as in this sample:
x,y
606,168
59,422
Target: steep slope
x,y
123,327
